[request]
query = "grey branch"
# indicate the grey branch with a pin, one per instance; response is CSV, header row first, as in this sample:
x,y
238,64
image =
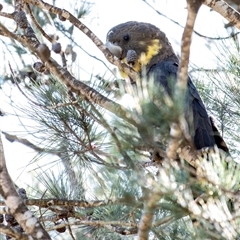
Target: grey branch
x,y
13,201
115,226
45,203
225,10
148,213
13,233
24,141
177,129
73,84
67,15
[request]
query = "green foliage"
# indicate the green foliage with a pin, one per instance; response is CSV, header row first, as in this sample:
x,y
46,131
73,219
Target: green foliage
x,y
108,161
95,157
220,90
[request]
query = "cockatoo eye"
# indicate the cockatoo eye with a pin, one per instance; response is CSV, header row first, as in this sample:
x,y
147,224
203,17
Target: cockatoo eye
x,y
126,37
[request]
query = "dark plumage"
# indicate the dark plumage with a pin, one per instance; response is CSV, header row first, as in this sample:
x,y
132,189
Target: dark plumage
x,y
143,45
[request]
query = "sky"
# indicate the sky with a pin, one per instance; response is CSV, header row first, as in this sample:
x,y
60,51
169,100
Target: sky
x,y
106,14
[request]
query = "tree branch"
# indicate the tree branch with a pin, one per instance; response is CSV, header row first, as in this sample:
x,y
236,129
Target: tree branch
x,y
74,85
225,10
38,26
45,203
68,16
148,213
115,226
13,233
193,7
27,143
16,205
178,129
197,33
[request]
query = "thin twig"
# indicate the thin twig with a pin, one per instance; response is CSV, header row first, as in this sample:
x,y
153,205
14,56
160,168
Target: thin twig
x,y
59,105
94,223
70,229
90,55
68,16
46,203
197,33
38,25
74,85
6,15
127,159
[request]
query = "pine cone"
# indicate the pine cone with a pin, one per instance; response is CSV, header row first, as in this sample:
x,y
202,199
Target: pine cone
x,y
39,66
21,19
44,52
22,193
30,33
56,47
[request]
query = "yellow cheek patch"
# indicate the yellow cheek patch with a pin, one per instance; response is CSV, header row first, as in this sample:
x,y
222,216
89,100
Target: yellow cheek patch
x,y
152,50
145,57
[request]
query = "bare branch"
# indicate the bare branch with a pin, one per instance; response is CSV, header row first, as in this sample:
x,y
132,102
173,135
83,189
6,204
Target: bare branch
x,y
111,225
177,129
27,143
193,7
16,205
45,203
13,233
38,25
175,140
225,10
67,15
197,33
6,15
59,105
74,85
148,214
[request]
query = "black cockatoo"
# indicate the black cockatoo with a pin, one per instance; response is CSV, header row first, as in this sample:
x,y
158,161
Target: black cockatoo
x,y
143,46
